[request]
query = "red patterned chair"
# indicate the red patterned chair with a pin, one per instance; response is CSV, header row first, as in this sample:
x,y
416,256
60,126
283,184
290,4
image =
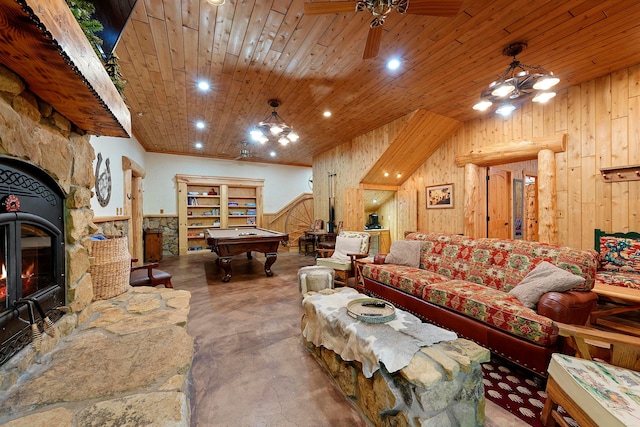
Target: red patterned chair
x,y
464,284
618,275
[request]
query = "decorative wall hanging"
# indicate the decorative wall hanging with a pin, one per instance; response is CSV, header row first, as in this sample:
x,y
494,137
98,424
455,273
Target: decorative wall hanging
x,y
440,196
103,181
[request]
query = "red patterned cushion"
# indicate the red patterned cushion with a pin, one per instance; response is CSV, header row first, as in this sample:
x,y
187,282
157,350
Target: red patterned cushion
x,y
619,254
497,309
408,279
625,279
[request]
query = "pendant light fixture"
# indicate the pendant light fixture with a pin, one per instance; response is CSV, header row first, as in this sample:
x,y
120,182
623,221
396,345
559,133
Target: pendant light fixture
x,y
518,81
274,128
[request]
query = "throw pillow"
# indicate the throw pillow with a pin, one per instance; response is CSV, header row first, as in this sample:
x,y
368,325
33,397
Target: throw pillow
x,y
619,254
545,277
404,252
345,246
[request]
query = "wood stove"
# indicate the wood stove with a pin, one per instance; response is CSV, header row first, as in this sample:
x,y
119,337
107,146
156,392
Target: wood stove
x,y
32,279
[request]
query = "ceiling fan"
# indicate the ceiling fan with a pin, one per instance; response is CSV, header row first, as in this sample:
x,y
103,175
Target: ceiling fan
x,y
380,9
244,151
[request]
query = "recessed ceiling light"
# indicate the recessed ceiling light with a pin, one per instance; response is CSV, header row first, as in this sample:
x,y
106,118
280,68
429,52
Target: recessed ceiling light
x,y
386,174
200,124
198,145
327,113
399,175
202,85
393,64
216,2
272,154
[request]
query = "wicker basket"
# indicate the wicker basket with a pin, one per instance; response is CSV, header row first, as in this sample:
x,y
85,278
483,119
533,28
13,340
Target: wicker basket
x,y
111,267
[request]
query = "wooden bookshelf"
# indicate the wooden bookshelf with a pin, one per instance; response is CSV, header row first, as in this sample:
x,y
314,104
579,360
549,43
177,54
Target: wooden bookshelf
x,y
215,202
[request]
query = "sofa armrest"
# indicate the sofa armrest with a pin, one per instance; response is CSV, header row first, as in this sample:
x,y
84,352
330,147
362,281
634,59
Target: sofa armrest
x,y
379,258
573,307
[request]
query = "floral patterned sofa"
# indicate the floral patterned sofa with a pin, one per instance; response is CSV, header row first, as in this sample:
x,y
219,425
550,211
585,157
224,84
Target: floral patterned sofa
x,y
463,284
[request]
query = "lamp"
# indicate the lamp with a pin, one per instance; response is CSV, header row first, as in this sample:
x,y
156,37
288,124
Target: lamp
x,y
274,127
518,81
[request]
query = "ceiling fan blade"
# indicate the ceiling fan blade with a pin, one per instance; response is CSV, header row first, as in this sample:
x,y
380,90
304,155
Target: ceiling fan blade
x,y
321,7
434,7
374,38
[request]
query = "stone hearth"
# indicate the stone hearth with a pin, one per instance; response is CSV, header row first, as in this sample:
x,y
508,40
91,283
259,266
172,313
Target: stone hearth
x,y
127,365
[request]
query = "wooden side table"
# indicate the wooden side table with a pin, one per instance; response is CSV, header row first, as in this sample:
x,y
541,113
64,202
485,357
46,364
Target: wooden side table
x,y
359,282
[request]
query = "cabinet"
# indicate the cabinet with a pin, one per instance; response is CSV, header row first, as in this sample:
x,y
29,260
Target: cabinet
x,y
152,245
215,202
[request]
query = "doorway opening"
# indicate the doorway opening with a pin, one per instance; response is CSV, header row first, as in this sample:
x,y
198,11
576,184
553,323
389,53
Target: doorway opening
x,y
380,213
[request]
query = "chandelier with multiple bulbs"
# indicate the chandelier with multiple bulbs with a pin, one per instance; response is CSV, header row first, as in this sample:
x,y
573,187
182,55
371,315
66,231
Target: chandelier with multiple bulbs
x,y
274,127
518,81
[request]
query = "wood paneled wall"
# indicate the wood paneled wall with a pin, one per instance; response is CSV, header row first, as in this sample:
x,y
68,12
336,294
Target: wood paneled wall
x,y
601,118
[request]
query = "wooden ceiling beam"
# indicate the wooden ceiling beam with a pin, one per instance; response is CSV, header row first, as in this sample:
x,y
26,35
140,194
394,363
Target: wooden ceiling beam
x,y
42,43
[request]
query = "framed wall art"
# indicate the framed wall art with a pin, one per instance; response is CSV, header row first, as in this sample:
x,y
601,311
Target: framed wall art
x,y
440,196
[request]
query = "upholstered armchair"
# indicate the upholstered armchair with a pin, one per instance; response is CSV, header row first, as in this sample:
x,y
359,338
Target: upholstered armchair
x,y
350,245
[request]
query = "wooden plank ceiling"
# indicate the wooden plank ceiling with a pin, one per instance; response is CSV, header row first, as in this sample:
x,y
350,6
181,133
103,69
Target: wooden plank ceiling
x,y
254,50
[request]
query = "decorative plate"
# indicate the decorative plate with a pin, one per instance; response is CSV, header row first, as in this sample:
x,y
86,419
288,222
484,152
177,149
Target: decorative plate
x,y
371,310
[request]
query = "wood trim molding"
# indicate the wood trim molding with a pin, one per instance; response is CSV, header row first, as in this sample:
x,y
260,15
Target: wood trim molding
x,y
219,180
101,219
136,169
515,151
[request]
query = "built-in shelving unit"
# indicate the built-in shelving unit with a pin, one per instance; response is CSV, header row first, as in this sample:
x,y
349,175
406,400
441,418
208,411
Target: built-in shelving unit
x,y
215,202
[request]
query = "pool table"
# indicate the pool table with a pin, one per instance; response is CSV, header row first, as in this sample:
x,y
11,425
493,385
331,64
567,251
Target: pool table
x,y
227,242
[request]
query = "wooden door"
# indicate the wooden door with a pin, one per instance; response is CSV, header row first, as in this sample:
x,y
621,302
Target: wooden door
x,y
498,203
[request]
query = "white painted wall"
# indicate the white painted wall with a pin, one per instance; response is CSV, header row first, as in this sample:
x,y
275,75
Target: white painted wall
x,y
113,149
281,183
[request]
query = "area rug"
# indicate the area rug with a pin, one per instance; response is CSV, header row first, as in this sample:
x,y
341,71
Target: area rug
x,y
515,390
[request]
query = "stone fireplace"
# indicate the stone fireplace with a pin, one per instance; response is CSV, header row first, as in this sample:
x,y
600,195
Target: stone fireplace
x,y
40,148
54,93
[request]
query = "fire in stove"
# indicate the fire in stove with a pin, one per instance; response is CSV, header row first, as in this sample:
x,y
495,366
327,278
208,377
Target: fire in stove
x,y
26,277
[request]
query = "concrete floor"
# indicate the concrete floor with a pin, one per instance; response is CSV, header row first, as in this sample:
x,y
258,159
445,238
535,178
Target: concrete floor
x,y
250,366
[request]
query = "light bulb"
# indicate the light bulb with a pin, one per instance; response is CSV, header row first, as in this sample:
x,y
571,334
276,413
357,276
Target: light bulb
x,y
546,82
256,135
543,97
505,109
482,105
503,90
275,130
293,137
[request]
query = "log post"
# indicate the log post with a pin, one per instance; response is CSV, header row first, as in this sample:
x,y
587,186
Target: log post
x,y
547,220
473,212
